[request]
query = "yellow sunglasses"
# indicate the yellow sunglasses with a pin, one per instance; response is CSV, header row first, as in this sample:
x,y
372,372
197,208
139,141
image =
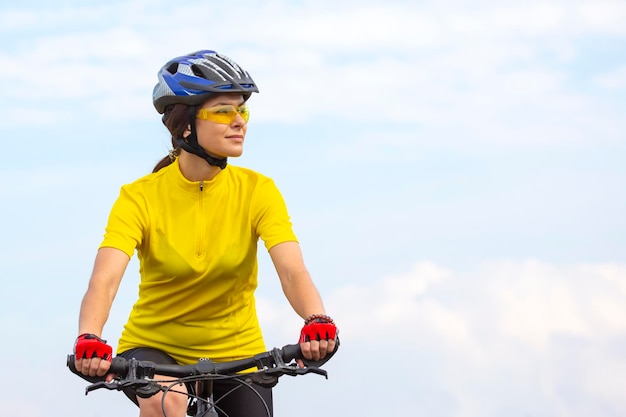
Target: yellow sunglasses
x,y
224,114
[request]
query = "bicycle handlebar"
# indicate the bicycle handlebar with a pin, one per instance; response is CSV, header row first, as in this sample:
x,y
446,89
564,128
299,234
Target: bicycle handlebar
x,y
271,364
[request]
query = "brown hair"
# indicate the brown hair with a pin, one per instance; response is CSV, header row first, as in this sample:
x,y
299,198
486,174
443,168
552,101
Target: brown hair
x,y
176,119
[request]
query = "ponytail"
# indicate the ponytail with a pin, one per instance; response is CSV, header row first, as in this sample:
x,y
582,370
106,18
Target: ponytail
x,y
168,160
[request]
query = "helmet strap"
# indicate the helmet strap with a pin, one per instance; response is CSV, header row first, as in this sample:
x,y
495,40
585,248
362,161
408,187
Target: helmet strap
x,y
191,145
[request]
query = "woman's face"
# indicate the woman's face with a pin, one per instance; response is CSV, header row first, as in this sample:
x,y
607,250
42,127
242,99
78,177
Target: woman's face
x,y
220,135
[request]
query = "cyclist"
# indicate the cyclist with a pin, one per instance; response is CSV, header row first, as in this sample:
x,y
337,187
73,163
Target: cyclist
x,y
195,222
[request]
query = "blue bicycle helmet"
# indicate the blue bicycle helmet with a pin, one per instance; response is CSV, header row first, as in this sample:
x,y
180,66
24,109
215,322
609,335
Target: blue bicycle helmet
x,y
192,78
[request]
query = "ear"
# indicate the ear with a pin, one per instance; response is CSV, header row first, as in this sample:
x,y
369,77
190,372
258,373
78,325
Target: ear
x,y
187,132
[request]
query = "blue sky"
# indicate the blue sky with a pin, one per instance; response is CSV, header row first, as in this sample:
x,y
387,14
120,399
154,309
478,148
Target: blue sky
x,y
454,172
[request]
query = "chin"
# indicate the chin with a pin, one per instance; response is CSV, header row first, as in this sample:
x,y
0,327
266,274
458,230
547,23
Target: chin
x,y
235,153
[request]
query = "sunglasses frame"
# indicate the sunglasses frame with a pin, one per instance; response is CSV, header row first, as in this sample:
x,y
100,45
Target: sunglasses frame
x,y
224,113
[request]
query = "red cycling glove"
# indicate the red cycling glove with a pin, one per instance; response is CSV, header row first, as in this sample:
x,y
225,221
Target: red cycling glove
x,y
318,327
90,346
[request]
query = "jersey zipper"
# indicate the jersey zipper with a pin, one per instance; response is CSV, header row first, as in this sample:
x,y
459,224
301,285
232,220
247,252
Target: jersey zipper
x,y
201,217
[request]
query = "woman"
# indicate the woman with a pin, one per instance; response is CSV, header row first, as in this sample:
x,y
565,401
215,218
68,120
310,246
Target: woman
x,y
195,223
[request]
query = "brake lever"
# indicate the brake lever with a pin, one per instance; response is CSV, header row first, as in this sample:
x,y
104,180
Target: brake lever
x,y
143,388
113,386
293,370
313,370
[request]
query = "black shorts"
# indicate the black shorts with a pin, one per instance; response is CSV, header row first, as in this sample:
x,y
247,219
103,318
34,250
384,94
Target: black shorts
x,y
232,398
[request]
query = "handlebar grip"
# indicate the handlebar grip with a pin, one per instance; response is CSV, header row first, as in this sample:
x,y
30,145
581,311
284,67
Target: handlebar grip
x,y
119,366
290,352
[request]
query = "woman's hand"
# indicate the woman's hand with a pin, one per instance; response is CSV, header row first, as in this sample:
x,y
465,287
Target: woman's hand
x,y
92,355
318,337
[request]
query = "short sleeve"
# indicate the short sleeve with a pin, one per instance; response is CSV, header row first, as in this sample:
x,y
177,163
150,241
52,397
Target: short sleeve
x,y
270,215
124,230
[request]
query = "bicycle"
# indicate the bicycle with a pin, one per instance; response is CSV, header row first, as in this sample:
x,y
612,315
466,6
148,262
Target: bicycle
x,y
139,376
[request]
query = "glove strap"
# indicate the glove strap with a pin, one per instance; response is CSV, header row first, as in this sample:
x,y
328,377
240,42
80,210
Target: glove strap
x,y
318,327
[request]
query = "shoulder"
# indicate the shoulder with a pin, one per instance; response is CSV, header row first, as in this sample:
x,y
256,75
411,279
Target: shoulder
x,y
146,181
144,188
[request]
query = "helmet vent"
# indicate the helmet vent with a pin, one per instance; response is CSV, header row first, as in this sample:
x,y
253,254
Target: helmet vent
x,y
172,68
197,71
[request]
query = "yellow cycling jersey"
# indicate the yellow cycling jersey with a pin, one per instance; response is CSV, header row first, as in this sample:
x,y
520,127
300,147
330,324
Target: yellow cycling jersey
x,y
197,248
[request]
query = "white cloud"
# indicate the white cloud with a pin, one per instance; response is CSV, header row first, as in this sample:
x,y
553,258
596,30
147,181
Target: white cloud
x,y
547,337
613,79
603,16
480,67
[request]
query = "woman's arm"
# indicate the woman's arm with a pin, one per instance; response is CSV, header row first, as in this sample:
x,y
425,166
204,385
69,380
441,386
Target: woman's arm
x,y
300,292
106,277
295,279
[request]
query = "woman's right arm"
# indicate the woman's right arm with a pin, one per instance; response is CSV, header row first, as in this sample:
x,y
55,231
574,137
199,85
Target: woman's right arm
x,y
108,270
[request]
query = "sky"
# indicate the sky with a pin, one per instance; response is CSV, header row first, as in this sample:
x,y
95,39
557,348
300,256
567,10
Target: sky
x,y
454,172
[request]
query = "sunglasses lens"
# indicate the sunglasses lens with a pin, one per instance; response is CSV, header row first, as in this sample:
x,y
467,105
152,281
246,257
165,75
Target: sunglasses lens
x,y
224,114
244,111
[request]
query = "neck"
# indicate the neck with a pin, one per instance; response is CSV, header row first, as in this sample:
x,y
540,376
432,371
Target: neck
x,y
195,168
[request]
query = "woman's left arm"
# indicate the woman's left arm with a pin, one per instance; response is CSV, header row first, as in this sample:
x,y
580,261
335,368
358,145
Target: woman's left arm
x,y
300,292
